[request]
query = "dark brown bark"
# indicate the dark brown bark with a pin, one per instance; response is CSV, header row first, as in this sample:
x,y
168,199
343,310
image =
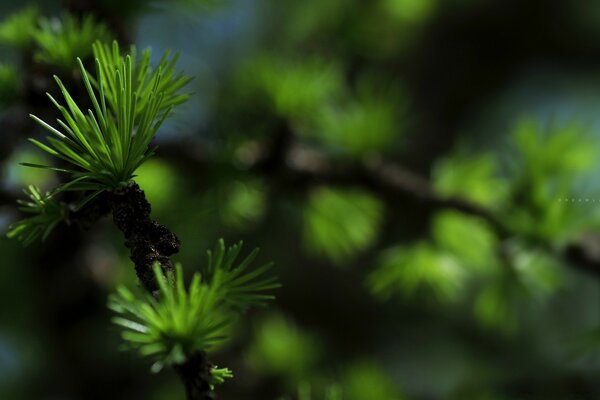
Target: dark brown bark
x,y
195,374
148,241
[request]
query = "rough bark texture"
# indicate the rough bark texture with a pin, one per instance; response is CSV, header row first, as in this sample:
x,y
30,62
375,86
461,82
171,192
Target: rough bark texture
x,y
91,213
148,241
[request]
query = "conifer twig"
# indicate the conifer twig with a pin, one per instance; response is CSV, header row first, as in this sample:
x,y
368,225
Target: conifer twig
x,y
297,168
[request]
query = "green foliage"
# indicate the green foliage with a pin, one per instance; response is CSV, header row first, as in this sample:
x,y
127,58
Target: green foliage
x,y
341,223
218,376
558,151
421,266
540,175
411,10
529,279
497,305
361,126
18,176
469,239
130,102
465,255
181,322
292,88
474,178
283,349
159,181
242,202
545,168
46,214
10,86
532,194
16,30
61,41
240,287
151,88
360,380
539,271
366,380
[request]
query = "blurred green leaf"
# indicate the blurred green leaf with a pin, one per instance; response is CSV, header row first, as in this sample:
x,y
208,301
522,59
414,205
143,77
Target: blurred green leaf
x,y
497,305
411,10
470,239
474,178
360,127
282,348
556,150
545,168
367,380
62,40
242,202
551,220
418,267
341,223
539,271
20,176
159,181
529,280
294,88
17,30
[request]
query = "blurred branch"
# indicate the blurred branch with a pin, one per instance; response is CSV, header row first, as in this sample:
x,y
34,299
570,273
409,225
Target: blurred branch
x,y
296,167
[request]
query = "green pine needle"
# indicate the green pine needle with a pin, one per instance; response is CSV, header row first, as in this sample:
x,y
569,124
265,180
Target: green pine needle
x,y
218,376
178,323
183,321
242,287
130,100
46,214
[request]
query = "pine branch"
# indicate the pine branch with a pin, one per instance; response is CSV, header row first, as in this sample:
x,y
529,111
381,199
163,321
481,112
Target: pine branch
x,y
295,167
148,241
102,149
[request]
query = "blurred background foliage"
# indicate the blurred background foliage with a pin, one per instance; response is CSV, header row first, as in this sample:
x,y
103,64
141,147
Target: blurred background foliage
x,y
461,279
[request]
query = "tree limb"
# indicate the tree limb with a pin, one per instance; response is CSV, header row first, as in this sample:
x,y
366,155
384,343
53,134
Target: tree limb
x,y
298,167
